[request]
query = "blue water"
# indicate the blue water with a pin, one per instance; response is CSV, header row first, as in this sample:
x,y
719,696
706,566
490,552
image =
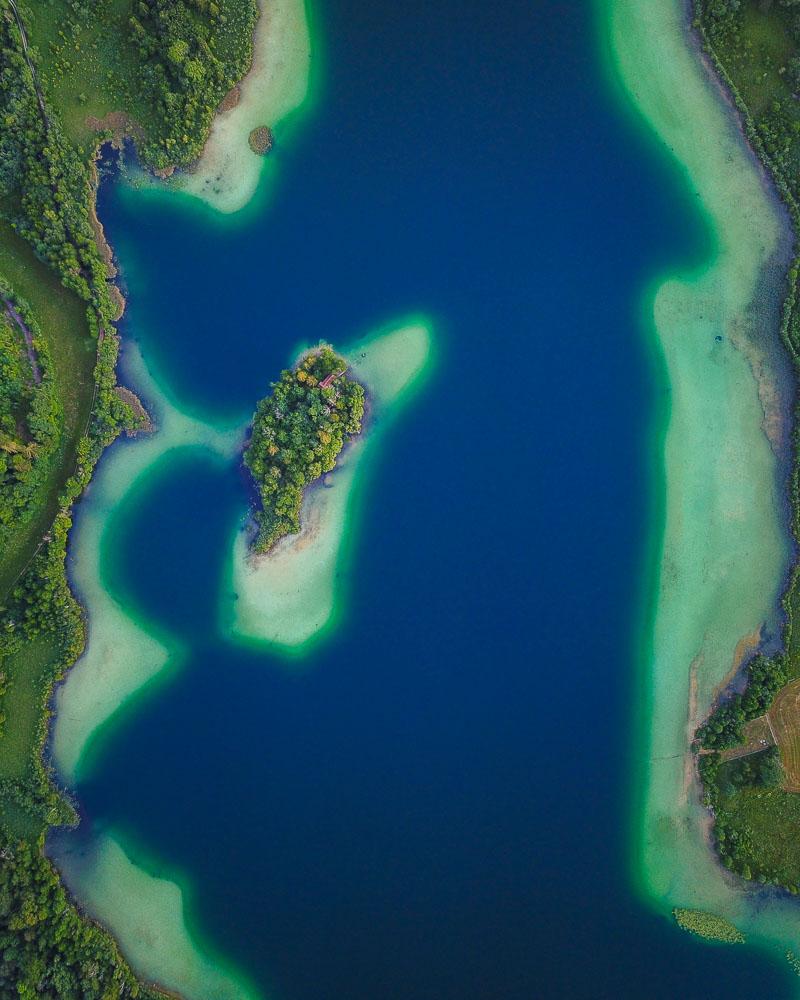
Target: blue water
x,y
436,804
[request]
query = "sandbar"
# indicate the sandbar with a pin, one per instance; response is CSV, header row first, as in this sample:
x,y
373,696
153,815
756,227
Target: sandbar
x,y
290,596
121,655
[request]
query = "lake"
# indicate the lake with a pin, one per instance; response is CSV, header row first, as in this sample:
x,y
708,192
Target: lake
x,y
437,802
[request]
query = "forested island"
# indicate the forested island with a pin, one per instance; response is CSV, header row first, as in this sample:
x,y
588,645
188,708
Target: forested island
x,y
72,76
749,749
298,432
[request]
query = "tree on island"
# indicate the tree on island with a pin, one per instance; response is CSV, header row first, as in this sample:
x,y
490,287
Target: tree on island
x,y
298,432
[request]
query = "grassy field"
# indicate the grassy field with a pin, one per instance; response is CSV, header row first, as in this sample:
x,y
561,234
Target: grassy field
x,y
767,821
768,49
24,672
27,673
62,319
785,718
760,57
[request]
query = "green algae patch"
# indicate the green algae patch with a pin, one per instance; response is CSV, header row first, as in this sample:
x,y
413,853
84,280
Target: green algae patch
x,y
120,656
708,926
289,596
724,549
227,174
147,916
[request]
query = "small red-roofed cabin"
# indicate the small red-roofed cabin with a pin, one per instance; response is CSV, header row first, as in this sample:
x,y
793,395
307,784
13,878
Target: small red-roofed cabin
x,y
330,379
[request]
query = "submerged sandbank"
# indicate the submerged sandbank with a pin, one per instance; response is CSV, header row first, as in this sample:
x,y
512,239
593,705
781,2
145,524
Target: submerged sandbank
x,y
289,596
725,544
146,914
120,655
227,174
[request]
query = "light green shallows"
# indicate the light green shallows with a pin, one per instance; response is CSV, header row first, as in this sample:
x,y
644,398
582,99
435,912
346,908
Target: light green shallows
x,y
725,546
120,655
288,597
145,912
147,916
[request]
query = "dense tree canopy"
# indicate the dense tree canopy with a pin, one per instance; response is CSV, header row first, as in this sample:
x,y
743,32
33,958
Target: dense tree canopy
x,y
47,950
298,432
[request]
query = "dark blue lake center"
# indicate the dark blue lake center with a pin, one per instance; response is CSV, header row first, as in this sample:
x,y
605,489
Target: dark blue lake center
x,y
436,804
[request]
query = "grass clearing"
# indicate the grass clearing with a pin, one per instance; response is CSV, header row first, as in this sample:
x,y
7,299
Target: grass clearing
x,y
19,822
26,672
765,36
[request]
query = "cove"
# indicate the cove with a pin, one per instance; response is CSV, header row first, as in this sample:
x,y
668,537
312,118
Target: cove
x,y
436,802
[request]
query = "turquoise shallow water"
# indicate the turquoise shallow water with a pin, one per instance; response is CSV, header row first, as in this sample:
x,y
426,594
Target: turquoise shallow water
x,y
437,804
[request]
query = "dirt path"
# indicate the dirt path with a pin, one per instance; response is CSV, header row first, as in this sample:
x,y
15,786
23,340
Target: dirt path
x,y
29,61
28,336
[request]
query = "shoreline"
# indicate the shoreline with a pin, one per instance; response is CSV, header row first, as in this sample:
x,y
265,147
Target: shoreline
x,y
121,467
136,901
672,864
228,173
160,653
93,458
94,874
101,684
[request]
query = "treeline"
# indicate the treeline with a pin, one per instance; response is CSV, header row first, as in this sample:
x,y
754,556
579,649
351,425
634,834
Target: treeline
x,y
298,432
724,728
48,951
44,184
179,64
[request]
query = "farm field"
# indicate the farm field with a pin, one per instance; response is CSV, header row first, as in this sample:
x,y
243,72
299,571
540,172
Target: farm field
x,y
785,718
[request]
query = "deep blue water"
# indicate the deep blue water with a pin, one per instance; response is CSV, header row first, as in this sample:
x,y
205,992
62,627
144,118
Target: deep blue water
x,y
436,805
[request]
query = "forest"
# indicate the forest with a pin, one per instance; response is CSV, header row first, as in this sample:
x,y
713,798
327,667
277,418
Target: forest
x,y
298,432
